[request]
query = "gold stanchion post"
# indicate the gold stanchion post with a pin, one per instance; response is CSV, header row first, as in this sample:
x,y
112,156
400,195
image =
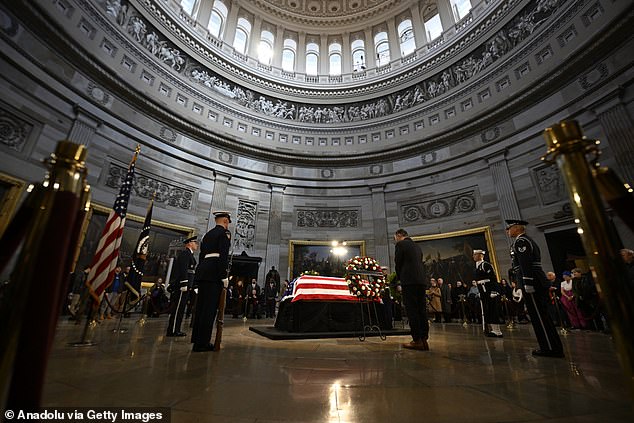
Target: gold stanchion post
x,y
568,148
38,281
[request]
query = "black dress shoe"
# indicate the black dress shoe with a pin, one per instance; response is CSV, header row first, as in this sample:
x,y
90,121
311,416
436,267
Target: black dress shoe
x,y
180,334
548,353
202,348
494,335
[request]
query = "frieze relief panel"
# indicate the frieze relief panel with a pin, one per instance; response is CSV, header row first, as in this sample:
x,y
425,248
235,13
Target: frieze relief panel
x,y
549,184
328,218
244,237
500,44
443,206
167,194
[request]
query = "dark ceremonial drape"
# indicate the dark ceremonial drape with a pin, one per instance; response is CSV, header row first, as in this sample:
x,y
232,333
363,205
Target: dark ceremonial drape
x,y
328,316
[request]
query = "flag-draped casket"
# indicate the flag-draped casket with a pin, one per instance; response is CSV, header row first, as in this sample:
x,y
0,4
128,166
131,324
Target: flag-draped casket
x,y
323,304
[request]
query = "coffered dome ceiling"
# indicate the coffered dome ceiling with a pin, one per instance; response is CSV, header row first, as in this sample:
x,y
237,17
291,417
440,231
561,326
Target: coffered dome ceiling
x,y
325,12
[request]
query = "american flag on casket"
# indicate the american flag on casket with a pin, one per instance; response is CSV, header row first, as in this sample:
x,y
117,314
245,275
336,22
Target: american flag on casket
x,y
318,288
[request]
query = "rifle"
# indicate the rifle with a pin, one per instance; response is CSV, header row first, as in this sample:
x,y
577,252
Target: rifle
x,y
220,318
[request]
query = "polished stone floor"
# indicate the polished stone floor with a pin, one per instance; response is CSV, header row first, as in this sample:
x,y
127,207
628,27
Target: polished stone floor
x,y
464,378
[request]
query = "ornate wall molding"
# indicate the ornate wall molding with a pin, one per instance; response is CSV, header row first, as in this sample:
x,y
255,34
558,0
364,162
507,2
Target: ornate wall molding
x,y
144,185
14,131
447,205
593,76
564,212
328,218
549,184
245,231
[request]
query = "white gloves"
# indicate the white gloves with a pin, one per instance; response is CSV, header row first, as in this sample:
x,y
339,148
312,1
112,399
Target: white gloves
x,y
225,282
196,290
494,294
183,289
529,289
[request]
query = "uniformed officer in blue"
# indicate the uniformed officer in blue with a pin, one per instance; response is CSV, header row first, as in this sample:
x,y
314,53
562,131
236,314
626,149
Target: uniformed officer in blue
x,y
530,277
489,290
211,277
181,280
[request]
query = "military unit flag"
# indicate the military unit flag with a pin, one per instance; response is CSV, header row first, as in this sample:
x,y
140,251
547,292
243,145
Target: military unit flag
x,y
140,253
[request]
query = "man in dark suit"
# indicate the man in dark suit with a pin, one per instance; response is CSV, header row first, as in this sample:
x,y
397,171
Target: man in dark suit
x,y
531,279
211,277
410,271
181,280
253,299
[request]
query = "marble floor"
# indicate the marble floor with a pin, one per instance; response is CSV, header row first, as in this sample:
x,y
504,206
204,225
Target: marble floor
x,y
464,378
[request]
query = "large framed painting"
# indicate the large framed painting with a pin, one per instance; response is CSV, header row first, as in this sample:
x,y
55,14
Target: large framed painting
x,y
322,257
10,191
165,240
450,255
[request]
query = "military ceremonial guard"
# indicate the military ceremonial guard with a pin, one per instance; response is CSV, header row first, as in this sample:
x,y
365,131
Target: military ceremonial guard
x,y
211,277
489,294
181,281
531,278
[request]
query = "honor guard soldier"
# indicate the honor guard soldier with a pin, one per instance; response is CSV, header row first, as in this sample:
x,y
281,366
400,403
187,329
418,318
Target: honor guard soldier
x,y
489,294
211,277
181,281
532,280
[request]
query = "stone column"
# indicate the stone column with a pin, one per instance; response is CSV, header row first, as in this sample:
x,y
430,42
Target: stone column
x,y
503,186
324,59
393,40
204,13
346,54
379,222
229,27
254,39
278,47
84,127
370,52
219,196
618,129
419,27
300,54
274,238
446,15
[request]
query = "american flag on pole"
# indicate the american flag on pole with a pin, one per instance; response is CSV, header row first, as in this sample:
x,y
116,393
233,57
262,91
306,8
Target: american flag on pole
x,y
321,288
105,259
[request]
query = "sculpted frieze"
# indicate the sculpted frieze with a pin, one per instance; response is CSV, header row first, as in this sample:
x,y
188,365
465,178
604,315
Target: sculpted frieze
x,y
13,131
144,34
145,186
438,207
328,218
549,184
244,237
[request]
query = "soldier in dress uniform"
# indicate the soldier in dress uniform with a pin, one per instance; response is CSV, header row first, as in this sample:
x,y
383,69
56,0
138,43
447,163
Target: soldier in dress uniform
x,y
531,279
489,294
211,277
181,281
